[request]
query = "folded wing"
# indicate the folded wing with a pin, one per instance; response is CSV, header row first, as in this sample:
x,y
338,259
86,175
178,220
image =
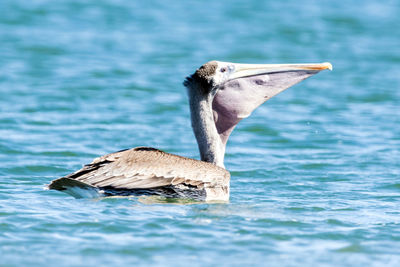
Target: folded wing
x,y
144,168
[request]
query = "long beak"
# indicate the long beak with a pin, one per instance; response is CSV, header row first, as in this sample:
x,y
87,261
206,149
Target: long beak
x,y
246,70
250,85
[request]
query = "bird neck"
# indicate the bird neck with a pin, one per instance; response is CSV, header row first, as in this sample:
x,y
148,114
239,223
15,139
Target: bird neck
x,y
211,148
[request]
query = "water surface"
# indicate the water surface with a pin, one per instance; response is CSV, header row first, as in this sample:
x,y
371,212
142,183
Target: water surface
x,y
315,171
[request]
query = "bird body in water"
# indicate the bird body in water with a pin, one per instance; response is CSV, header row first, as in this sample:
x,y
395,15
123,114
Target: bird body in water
x,y
221,94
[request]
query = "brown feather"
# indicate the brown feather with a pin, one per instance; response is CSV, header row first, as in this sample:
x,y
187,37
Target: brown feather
x,y
146,168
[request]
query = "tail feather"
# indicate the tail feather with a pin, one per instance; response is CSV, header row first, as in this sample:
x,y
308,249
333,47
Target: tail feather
x,y
75,188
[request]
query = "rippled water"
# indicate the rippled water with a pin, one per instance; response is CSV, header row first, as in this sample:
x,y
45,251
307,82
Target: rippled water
x,y
315,171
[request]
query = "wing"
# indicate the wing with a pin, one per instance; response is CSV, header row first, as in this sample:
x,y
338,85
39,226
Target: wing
x,y
145,168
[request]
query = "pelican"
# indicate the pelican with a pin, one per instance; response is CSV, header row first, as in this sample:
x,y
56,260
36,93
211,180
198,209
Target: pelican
x,y
221,94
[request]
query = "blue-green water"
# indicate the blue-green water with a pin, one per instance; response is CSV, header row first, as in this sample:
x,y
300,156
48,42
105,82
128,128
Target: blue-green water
x,y
315,171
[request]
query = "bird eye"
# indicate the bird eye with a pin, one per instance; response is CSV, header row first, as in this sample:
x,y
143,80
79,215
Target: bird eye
x,y
223,69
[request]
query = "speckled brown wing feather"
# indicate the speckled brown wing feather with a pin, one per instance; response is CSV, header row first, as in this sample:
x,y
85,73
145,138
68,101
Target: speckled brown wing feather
x,y
144,168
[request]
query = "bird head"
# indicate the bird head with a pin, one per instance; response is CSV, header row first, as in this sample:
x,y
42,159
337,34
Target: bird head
x,y
238,89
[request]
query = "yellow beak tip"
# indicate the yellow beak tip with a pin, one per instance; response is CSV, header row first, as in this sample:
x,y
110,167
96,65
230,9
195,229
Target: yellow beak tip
x,y
327,65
